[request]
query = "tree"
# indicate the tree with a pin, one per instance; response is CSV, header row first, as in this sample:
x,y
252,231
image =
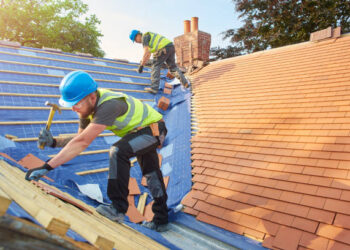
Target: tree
x,y
50,23
275,23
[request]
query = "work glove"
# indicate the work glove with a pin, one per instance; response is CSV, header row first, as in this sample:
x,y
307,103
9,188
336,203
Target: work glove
x,y
36,173
140,69
46,137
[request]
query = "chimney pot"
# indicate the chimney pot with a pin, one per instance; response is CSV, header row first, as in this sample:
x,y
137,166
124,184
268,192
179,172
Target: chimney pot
x,y
187,26
194,24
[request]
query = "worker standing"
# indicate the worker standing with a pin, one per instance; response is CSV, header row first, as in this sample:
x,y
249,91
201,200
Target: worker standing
x,y
163,51
141,129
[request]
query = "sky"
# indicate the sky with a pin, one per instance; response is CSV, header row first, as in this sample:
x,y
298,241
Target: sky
x,y
165,17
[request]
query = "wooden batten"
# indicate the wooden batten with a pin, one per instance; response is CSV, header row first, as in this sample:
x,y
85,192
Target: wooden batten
x,y
5,202
96,229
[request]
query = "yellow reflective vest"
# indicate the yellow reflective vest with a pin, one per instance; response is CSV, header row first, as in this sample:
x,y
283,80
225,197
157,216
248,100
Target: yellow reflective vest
x,y
157,42
138,114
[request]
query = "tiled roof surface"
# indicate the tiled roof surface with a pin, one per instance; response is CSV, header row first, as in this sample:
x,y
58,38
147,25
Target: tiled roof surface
x,y
271,158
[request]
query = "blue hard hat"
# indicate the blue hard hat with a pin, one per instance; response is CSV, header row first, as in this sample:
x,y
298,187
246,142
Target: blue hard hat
x,y
74,87
133,34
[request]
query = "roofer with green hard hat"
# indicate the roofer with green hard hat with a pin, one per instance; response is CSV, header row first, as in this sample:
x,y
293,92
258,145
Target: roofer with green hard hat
x,y
163,51
141,129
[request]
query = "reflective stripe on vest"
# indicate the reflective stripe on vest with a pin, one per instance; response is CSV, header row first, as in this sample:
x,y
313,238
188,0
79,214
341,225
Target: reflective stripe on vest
x,y
157,42
132,118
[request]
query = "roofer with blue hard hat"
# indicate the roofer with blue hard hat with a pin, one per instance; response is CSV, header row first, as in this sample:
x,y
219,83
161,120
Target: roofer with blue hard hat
x,y
141,129
163,51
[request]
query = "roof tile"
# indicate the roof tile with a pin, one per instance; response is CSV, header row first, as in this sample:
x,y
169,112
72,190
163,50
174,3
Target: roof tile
x,y
279,154
321,215
334,233
329,192
342,220
291,197
297,210
313,201
337,206
192,211
188,200
249,232
305,224
336,245
282,218
287,238
212,220
313,241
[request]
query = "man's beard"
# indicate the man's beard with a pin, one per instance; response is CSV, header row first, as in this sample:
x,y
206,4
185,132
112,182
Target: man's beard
x,y
87,113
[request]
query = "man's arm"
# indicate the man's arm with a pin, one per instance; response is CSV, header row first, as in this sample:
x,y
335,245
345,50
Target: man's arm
x,y
146,55
77,145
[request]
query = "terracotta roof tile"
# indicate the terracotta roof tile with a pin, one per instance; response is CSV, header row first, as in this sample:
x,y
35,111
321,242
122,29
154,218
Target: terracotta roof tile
x,y
268,242
337,206
283,219
271,158
249,232
188,200
133,187
189,210
321,215
342,221
305,224
336,245
334,233
148,213
345,195
287,238
31,161
313,242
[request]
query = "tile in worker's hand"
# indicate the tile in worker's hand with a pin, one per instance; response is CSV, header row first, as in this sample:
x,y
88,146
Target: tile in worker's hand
x,y
30,161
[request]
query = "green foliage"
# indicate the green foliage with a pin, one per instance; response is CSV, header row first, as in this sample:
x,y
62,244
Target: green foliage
x,y
50,23
275,23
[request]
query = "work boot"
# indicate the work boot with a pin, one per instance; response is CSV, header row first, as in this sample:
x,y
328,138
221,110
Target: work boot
x,y
159,228
111,213
150,90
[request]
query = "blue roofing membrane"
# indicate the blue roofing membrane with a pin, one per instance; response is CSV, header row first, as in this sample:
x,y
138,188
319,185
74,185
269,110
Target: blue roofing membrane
x,y
35,71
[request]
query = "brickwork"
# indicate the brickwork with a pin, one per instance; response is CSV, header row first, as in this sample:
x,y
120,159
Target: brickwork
x,y
191,47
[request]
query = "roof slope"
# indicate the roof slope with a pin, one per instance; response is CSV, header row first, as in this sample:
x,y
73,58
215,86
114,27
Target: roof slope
x,y
271,158
28,78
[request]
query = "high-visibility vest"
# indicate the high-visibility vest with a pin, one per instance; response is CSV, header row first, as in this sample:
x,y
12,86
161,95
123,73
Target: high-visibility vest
x,y
157,42
138,114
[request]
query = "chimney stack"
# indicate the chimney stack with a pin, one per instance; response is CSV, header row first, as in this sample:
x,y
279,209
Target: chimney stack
x,y
194,24
187,24
193,47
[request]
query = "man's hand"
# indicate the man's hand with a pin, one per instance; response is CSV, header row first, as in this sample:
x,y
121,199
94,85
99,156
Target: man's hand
x,y
36,173
46,138
140,69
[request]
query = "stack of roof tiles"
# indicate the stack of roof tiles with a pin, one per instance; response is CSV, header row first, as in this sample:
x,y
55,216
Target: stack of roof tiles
x,y
271,158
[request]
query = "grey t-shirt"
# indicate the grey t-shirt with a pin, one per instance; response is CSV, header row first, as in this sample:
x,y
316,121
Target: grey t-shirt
x,y
145,40
106,113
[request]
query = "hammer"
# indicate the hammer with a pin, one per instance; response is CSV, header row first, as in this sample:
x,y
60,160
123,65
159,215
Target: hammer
x,y
53,109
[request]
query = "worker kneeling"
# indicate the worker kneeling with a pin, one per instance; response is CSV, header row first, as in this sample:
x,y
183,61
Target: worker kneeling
x,y
141,128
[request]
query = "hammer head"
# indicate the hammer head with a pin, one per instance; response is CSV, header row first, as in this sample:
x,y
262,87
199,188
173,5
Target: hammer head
x,y
53,106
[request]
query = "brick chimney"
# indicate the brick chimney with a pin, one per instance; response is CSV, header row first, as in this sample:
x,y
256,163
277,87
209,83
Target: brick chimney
x,y
192,48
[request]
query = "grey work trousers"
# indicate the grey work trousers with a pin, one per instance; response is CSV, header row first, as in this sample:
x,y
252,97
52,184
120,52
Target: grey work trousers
x,y
143,145
165,55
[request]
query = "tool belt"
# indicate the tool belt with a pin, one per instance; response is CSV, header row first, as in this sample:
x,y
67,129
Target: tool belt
x,y
160,52
155,131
